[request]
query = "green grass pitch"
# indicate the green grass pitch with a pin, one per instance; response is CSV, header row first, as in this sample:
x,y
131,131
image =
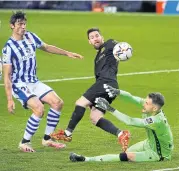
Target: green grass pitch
x,y
155,43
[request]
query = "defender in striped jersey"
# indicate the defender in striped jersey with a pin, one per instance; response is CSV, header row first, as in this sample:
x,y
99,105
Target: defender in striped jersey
x,y
20,79
159,143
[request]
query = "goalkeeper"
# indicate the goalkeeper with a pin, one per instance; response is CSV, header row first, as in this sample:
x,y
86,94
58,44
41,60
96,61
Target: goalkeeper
x,y
159,143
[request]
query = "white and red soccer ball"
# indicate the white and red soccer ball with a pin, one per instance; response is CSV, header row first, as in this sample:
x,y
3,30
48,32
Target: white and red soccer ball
x,y
122,51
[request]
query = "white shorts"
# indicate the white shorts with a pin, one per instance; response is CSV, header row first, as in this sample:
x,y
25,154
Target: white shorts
x,y
24,91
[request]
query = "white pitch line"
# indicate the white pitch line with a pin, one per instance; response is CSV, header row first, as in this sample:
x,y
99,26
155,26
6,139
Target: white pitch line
x,y
149,72
120,75
167,169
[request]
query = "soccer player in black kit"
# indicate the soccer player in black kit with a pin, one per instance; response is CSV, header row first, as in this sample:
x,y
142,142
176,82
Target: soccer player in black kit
x,y
106,68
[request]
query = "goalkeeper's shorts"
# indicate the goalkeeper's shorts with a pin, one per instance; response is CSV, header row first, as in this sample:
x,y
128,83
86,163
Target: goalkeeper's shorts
x,y
143,152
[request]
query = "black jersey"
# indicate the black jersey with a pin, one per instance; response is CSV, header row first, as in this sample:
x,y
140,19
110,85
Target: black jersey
x,y
106,66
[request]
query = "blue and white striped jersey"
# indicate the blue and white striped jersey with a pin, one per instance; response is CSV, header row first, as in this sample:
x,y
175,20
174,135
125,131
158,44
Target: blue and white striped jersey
x,y
21,55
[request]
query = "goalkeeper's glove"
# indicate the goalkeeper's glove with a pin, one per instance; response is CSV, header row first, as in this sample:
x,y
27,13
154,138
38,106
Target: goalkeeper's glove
x,y
103,104
112,92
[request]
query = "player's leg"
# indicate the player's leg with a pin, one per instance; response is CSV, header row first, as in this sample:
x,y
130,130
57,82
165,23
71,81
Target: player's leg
x,y
86,100
47,95
80,108
33,122
141,151
54,112
24,94
53,117
77,115
140,146
97,118
102,158
144,156
79,158
97,114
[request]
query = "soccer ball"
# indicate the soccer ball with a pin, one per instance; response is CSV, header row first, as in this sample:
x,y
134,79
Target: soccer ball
x,y
122,51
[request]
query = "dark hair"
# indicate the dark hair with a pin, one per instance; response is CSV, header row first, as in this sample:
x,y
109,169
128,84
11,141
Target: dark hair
x,y
18,15
91,30
157,98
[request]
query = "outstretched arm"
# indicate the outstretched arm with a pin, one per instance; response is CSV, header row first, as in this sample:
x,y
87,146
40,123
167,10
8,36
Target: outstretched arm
x,y
112,92
130,98
147,122
53,49
59,51
128,120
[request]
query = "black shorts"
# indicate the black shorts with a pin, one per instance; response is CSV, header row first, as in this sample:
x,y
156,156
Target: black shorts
x,y
97,90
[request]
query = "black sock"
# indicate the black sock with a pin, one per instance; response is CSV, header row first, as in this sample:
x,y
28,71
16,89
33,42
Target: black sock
x,y
25,141
76,117
108,126
46,137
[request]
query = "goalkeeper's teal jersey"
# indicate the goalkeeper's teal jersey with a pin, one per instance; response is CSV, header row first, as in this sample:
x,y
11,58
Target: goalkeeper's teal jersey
x,y
158,130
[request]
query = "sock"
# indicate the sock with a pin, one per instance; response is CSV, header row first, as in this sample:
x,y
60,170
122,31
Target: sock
x,y
25,141
52,121
107,157
108,126
68,133
75,118
31,128
119,134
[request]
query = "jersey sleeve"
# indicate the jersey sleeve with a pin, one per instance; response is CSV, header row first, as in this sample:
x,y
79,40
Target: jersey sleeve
x,y
130,98
38,41
6,55
149,122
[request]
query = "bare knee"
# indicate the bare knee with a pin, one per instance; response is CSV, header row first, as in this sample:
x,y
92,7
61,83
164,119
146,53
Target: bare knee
x,y
78,103
95,117
82,102
57,104
38,109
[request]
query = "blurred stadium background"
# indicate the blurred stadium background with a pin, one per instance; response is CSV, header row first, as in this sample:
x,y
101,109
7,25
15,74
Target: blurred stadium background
x,y
159,6
81,5
154,36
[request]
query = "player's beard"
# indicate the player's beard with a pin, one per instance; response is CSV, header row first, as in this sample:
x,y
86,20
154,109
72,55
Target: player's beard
x,y
97,46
